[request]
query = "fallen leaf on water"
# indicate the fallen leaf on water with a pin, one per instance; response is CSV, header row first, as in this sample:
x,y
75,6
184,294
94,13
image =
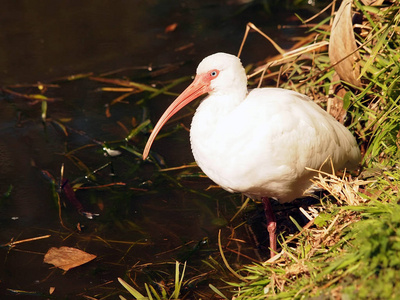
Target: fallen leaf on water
x,y
67,258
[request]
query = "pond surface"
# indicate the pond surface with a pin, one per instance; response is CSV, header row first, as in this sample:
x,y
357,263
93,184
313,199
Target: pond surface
x,y
146,219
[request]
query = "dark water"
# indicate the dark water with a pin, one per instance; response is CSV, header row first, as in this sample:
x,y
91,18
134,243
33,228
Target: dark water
x,y
155,218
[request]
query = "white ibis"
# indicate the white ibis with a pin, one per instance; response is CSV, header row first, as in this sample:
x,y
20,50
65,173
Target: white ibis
x,y
259,142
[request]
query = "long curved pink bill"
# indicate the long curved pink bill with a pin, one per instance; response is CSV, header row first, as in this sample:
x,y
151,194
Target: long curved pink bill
x,y
197,88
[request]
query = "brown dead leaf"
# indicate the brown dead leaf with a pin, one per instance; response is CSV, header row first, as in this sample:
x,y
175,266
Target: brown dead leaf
x,y
342,44
335,104
108,112
171,27
372,2
67,258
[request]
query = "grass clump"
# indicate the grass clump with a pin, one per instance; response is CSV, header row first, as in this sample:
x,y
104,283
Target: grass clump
x,y
352,252
376,252
151,292
353,249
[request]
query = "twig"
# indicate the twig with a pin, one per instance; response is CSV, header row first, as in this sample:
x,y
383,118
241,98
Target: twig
x,y
12,243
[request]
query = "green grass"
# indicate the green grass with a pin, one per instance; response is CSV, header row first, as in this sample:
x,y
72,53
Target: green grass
x,y
353,249
151,292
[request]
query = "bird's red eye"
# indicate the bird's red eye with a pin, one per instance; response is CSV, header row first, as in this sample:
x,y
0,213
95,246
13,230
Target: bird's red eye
x,y
214,74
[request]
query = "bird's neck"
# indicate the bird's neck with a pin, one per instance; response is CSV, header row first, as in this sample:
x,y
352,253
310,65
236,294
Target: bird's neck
x,y
218,104
209,124
212,112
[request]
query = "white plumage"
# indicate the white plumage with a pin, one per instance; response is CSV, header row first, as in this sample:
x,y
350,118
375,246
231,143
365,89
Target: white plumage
x,y
259,142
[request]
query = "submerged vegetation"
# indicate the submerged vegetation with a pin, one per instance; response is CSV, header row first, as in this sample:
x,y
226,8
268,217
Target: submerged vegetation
x,y
349,249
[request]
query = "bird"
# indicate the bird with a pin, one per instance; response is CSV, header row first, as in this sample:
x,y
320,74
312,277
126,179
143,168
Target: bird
x,y
260,142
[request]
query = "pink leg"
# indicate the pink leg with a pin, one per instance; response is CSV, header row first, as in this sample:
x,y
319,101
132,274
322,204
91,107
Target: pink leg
x,y
271,224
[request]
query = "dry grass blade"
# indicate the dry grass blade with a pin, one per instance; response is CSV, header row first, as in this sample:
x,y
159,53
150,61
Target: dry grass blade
x,y
344,189
288,56
133,86
252,26
34,98
225,261
13,243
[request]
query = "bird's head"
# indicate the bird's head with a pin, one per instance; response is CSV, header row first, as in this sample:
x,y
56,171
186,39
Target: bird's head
x,y
216,74
221,72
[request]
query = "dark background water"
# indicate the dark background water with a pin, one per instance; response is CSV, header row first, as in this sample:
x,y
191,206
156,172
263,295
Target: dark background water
x,y
43,41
